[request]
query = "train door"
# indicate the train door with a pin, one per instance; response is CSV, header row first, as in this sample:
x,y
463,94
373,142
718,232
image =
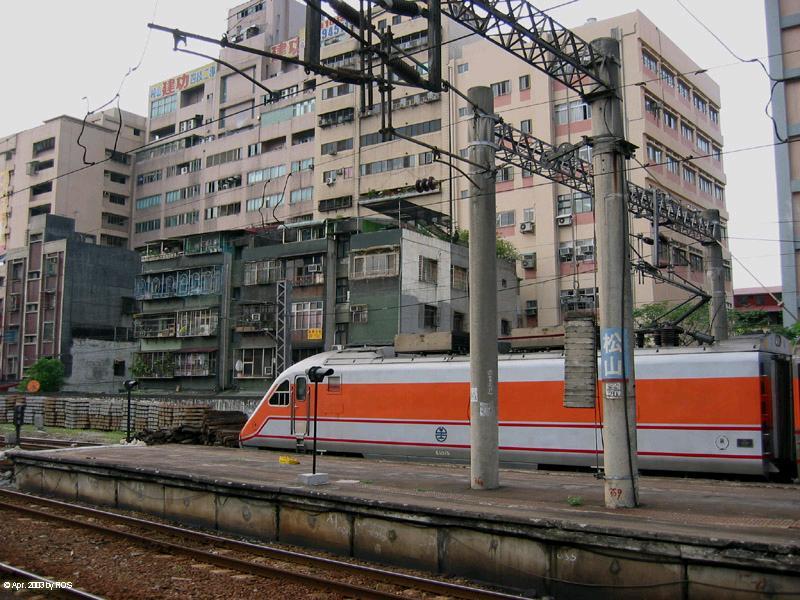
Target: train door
x,y
777,416
301,408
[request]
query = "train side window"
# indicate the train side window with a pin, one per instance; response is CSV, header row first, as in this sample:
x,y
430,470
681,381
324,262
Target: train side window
x,y
281,395
334,384
300,388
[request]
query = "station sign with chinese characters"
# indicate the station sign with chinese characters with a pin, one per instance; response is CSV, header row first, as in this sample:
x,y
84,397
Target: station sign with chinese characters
x,y
183,81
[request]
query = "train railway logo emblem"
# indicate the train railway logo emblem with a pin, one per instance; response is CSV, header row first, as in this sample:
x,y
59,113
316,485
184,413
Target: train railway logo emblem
x,y
441,434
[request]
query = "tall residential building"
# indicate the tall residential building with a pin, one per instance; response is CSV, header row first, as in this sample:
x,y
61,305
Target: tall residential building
x,y
783,42
66,278
41,173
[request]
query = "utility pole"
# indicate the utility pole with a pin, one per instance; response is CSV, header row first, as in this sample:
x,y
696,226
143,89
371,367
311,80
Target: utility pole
x,y
615,294
484,457
715,274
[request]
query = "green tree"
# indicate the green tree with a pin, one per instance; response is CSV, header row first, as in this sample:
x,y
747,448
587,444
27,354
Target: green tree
x,y
49,372
503,247
739,323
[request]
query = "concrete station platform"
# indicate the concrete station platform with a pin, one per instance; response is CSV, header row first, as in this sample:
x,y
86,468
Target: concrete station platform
x,y
691,538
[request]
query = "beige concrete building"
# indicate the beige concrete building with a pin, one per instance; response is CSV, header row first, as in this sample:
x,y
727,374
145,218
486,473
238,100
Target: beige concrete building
x,y
672,115
33,176
57,283
783,39
227,156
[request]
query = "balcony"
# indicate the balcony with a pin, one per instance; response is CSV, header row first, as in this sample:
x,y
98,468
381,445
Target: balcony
x,y
179,284
161,326
196,364
153,365
196,323
162,250
308,279
255,318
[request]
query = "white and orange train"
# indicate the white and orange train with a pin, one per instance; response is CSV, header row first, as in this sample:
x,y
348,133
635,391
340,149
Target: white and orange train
x,y
727,409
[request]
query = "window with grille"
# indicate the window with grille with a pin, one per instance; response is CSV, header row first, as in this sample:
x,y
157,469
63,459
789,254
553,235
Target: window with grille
x,y
430,316
368,266
428,270
459,278
359,313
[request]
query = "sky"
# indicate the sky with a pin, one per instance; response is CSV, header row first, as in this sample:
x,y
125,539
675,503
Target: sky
x,y
62,57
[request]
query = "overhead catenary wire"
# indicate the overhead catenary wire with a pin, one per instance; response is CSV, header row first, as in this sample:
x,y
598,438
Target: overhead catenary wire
x,y
513,108
116,97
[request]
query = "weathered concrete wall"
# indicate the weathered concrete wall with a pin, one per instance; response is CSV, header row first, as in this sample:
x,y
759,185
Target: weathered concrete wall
x,y
93,365
532,559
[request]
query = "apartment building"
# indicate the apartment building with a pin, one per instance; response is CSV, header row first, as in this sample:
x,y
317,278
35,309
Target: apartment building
x,y
783,41
672,115
62,287
66,278
211,305
33,168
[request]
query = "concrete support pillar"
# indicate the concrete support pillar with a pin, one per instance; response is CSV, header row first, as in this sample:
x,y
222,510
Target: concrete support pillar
x,y
484,456
615,293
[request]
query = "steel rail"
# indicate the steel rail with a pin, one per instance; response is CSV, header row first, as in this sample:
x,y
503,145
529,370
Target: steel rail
x,y
376,574
52,588
50,444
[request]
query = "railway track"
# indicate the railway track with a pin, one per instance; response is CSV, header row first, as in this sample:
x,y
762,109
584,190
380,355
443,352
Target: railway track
x,y
30,443
25,581
347,579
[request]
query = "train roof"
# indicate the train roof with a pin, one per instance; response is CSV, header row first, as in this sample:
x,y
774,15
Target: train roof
x,y
771,343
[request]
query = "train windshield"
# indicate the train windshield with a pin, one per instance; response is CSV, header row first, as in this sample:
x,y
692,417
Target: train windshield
x,y
280,397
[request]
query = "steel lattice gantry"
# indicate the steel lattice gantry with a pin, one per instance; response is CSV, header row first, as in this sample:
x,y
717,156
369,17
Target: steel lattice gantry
x,y
534,36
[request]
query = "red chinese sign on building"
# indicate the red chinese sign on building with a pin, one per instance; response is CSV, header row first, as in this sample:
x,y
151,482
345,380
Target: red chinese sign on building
x,y
289,48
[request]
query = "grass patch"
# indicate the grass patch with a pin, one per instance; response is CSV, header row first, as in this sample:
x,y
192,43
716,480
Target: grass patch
x,y
62,433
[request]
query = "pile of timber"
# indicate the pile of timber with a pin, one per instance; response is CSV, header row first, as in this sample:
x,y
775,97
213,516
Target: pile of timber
x,y
204,427
222,427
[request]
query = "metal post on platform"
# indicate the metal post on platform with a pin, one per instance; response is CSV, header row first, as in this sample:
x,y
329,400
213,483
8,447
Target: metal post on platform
x,y
316,375
129,385
314,451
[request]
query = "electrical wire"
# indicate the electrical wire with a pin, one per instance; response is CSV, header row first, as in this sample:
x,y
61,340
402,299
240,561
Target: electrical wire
x,y
116,98
757,61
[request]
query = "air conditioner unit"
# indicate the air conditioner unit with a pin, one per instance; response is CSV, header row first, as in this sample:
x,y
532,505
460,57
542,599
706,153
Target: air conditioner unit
x,y
255,317
531,311
184,170
268,371
528,263
330,180
432,96
203,329
565,251
588,250
564,220
332,153
314,268
340,171
527,227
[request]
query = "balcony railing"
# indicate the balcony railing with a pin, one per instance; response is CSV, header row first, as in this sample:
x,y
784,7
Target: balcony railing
x,y
154,327
177,284
308,279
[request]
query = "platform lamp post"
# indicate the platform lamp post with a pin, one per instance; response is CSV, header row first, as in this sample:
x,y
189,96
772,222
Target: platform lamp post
x,y
129,385
315,376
